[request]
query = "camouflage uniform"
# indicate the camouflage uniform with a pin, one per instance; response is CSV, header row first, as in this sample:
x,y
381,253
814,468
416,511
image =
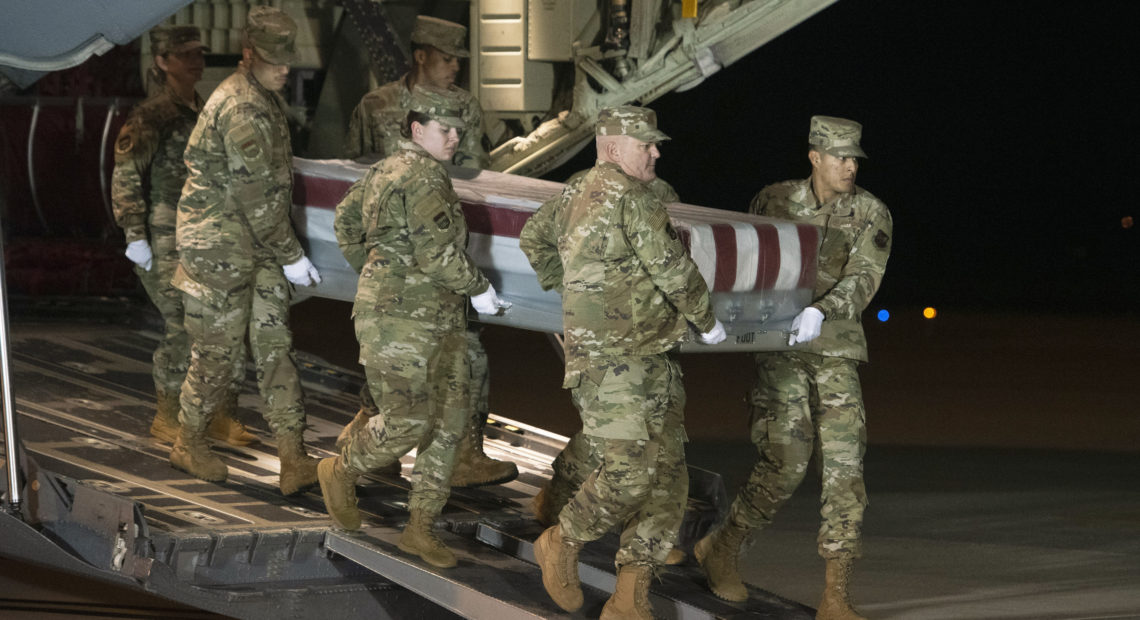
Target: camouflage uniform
x,y
628,292
410,312
811,395
234,236
580,456
375,124
145,187
374,127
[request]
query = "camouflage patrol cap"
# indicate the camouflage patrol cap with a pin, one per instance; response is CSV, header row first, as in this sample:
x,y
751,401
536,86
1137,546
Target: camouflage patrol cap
x,y
837,137
271,33
438,105
629,120
448,37
175,40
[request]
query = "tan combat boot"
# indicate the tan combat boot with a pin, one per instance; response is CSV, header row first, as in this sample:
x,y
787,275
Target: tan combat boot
x,y
836,603
419,539
549,502
473,468
338,487
225,427
353,427
676,557
165,424
718,553
192,455
298,469
630,600
557,556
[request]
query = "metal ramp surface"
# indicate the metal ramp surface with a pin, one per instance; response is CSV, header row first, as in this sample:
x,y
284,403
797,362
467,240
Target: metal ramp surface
x,y
102,501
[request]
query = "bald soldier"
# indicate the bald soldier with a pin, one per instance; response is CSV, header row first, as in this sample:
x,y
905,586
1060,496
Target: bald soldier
x,y
145,187
811,396
238,253
410,314
629,292
374,131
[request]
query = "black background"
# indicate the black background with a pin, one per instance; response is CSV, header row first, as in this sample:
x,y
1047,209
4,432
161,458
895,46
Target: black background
x,y
1002,136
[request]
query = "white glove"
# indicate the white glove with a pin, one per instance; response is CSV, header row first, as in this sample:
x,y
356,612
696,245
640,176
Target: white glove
x,y
140,254
806,326
715,335
302,272
488,302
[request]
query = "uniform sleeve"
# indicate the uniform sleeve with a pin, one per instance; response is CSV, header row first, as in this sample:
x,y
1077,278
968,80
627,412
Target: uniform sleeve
x,y
354,140
438,244
863,272
659,248
539,241
262,190
759,204
134,149
470,153
348,224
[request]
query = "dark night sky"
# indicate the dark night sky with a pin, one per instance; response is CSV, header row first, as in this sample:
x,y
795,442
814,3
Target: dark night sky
x,y
999,135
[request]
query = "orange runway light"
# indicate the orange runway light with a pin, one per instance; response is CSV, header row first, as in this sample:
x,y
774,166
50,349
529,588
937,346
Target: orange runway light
x,y
1126,221
929,312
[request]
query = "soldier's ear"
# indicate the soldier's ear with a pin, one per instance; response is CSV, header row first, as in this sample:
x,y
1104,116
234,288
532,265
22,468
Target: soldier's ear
x,y
160,62
814,157
420,56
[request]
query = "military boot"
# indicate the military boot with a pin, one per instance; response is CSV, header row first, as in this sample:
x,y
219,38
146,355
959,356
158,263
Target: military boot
x,y
630,600
165,424
557,556
473,468
676,557
298,469
836,603
338,487
719,553
353,427
419,539
192,455
549,502
225,427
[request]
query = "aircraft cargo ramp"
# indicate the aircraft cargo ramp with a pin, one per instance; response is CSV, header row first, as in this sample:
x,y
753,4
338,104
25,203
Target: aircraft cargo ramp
x,y
100,499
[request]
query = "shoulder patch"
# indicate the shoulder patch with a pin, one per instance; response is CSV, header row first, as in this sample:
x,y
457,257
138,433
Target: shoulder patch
x,y
659,218
881,239
245,142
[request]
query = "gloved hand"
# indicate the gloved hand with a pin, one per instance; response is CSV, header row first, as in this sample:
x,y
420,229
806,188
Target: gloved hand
x,y
140,254
302,272
806,326
488,302
715,335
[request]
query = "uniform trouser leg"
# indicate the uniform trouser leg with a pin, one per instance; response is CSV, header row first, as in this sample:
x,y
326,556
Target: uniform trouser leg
x,y
802,401
172,356
480,384
216,325
425,408
271,345
641,481
449,382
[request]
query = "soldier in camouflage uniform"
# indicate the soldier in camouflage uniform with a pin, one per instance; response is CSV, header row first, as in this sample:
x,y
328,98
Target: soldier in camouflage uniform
x,y
375,126
238,253
629,291
810,396
145,186
410,316
577,459
374,130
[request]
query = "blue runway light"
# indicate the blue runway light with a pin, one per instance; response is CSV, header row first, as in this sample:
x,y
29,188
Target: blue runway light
x,y
883,315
